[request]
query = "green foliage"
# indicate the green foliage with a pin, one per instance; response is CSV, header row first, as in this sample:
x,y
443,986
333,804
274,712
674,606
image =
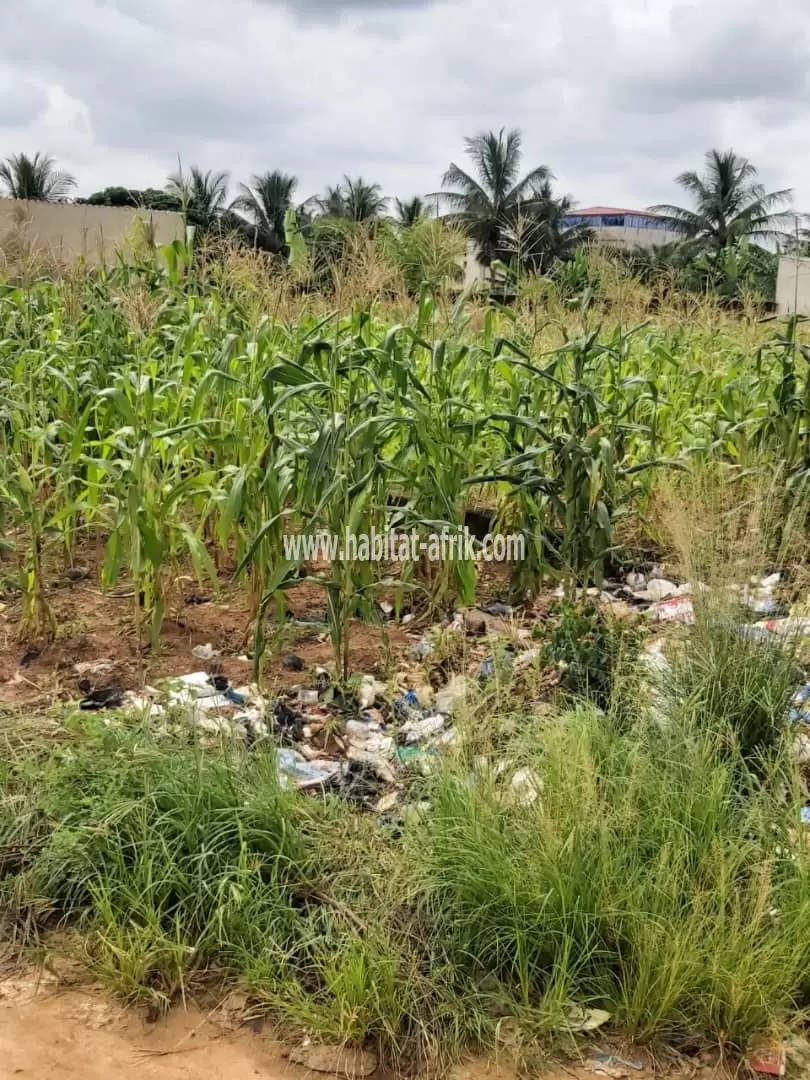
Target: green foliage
x,y
36,177
591,650
428,252
735,687
147,199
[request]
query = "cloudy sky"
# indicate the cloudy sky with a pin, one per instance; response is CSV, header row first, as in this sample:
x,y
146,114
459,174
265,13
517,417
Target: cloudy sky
x,y
616,96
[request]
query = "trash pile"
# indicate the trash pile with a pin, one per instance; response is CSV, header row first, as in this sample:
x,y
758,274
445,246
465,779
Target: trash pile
x,y
357,743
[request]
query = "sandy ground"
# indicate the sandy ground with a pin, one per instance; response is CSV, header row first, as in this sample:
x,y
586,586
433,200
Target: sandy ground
x,y
52,1029
52,1033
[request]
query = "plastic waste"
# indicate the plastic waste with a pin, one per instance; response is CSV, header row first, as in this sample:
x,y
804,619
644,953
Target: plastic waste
x,y
487,669
452,696
612,1065
293,768
421,730
525,787
767,1056
293,663
421,649
675,609
207,653
367,742
106,697
370,690
580,1019
660,589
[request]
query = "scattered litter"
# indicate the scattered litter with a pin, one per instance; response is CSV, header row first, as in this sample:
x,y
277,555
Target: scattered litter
x,y
487,669
675,609
580,1019
635,581
525,787
287,723
370,690
367,742
293,663
94,668
799,711
502,611
452,696
526,659
307,696
805,815
107,697
293,768
758,594
418,731
767,1056
207,653
612,1065
801,748
386,608
421,649
75,574
792,627
387,803
660,589
339,1060
406,619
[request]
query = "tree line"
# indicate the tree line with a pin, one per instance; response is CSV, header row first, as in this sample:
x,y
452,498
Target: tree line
x,y
515,217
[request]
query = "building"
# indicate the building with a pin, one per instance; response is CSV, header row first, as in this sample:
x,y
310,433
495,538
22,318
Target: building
x,y
623,228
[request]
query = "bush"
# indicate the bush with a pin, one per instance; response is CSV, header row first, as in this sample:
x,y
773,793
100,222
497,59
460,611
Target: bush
x,y
591,648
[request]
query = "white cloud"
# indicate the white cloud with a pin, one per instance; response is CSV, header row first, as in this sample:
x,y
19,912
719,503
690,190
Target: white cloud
x,y
616,96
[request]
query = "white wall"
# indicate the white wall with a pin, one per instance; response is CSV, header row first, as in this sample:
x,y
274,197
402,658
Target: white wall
x,y
793,286
68,231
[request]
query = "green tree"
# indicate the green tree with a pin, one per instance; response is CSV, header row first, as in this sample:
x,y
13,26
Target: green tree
x,y
266,202
410,211
354,200
203,195
538,235
146,199
729,205
489,203
36,177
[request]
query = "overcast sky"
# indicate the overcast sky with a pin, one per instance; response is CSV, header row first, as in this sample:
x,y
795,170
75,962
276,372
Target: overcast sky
x,y
616,96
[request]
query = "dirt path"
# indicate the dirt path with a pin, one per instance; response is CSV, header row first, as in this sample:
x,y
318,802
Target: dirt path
x,y
52,1031
49,1033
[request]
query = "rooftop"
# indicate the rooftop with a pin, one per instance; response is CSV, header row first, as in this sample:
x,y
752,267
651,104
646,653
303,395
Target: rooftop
x,y
601,211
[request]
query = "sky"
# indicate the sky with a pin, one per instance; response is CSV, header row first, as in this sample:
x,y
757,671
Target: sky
x,y
615,96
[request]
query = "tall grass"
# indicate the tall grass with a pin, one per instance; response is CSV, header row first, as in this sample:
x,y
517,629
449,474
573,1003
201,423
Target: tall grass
x,y
654,874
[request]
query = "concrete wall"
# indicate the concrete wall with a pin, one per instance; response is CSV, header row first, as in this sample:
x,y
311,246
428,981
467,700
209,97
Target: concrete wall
x,y
65,232
793,286
473,270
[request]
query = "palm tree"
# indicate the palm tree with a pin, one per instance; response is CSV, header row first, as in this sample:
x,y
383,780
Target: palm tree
x,y
204,195
729,204
267,203
410,211
490,202
539,236
354,200
35,178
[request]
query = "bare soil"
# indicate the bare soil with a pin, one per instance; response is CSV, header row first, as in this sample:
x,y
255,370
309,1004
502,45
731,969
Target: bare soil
x,y
53,1031
95,625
